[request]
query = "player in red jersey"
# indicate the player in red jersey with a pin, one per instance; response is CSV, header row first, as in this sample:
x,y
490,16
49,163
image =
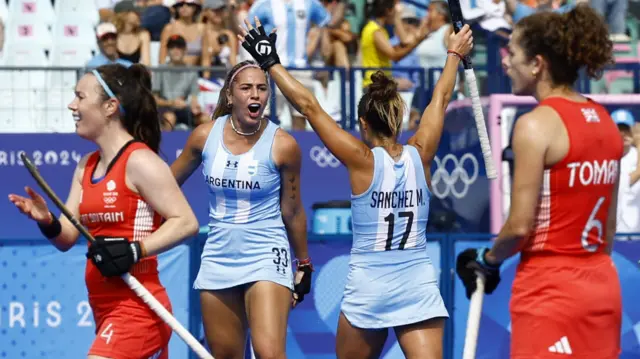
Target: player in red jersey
x,y
120,193
566,295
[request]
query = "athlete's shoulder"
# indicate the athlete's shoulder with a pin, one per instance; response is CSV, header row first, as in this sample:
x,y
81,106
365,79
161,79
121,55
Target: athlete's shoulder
x,y
285,148
198,137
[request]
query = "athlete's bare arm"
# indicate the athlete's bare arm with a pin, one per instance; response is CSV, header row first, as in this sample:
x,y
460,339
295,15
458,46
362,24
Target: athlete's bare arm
x,y
612,216
287,156
151,177
427,137
352,152
191,155
530,143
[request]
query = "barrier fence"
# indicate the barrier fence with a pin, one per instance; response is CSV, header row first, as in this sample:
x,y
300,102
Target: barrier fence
x,y
35,99
45,314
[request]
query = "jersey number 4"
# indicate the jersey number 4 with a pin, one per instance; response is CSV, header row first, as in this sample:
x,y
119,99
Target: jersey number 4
x,y
391,219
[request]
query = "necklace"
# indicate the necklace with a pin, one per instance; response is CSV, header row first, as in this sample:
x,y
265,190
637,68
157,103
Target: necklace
x,y
245,133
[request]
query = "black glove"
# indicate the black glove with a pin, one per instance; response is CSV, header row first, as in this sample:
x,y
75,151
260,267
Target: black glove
x,y
262,47
114,256
472,260
304,286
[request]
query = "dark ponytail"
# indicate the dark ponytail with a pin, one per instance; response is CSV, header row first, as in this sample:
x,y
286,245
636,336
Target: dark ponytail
x,y
132,87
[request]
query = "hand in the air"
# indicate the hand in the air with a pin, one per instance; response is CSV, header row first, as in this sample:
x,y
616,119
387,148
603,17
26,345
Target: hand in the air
x,y
261,46
471,261
461,42
34,207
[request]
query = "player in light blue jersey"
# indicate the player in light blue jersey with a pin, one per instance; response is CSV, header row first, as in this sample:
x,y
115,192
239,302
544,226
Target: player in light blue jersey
x,y
252,172
391,281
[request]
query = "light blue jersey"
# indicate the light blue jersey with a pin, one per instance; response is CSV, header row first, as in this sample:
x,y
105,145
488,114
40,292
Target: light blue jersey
x,y
247,240
391,280
292,19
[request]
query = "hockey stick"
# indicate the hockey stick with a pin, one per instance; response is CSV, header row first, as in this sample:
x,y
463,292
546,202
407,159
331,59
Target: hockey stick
x,y
473,320
131,281
470,80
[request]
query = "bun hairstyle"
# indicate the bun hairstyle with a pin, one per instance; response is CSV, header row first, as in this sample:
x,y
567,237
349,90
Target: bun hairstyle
x,y
569,42
381,107
132,87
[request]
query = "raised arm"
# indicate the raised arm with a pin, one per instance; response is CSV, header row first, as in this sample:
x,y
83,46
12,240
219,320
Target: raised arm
x,y
152,178
191,155
349,150
427,137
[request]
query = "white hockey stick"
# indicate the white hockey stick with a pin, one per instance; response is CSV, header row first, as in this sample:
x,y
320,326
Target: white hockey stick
x,y
473,320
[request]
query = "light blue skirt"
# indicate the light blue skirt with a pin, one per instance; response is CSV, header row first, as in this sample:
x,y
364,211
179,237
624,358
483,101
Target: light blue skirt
x,y
241,255
391,289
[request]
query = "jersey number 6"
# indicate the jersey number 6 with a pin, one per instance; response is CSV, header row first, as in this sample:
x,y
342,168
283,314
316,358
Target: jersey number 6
x,y
391,219
592,223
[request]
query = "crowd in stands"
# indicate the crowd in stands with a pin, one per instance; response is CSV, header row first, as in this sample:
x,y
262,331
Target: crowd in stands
x,y
190,43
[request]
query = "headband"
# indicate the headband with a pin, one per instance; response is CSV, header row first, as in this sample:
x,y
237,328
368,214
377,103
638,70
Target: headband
x,y
249,65
107,89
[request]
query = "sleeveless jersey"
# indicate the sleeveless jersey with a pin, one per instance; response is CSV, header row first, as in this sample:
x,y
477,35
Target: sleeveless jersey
x,y
576,192
245,188
392,214
109,208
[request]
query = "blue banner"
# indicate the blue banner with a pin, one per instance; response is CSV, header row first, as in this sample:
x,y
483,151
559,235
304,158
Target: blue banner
x,y
43,299
459,183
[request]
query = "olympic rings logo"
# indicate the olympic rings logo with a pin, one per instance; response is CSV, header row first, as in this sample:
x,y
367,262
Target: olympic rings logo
x,y
323,158
444,182
110,200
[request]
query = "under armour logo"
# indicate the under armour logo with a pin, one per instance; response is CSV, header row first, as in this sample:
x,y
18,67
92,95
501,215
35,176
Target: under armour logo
x,y
263,47
233,164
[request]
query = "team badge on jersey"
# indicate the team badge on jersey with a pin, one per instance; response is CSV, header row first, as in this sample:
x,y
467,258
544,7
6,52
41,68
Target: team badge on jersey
x,y
252,167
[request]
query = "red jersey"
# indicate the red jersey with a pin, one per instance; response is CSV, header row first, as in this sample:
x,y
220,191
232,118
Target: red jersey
x,y
109,208
576,192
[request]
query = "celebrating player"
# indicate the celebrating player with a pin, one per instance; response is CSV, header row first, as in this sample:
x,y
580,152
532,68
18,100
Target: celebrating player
x,y
566,295
252,171
120,193
391,282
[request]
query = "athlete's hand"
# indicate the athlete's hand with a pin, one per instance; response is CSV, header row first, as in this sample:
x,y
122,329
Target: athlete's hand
x,y
461,42
34,207
302,281
261,46
114,256
471,261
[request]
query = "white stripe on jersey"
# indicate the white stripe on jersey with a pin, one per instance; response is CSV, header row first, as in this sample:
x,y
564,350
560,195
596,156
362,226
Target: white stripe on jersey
x,y
411,185
218,167
388,184
244,198
143,221
543,218
279,15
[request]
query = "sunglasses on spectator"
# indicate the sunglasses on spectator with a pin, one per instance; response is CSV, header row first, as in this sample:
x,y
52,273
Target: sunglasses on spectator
x,y
108,37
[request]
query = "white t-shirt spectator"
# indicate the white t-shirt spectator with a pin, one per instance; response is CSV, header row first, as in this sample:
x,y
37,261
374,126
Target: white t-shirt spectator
x,y
628,218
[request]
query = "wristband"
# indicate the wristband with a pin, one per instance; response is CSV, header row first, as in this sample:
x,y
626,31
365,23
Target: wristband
x,y
481,258
304,262
455,53
51,230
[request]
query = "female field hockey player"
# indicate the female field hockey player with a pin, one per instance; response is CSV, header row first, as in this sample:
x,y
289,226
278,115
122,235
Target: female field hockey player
x,y
120,193
252,170
391,282
566,296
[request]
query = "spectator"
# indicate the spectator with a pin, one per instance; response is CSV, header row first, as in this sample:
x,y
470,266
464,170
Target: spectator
x,y
221,48
411,25
292,40
615,12
105,9
518,10
433,51
133,41
185,25
628,211
339,39
154,18
377,51
173,88
107,35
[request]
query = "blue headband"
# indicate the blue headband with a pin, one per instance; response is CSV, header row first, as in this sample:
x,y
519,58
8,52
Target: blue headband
x,y
107,89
